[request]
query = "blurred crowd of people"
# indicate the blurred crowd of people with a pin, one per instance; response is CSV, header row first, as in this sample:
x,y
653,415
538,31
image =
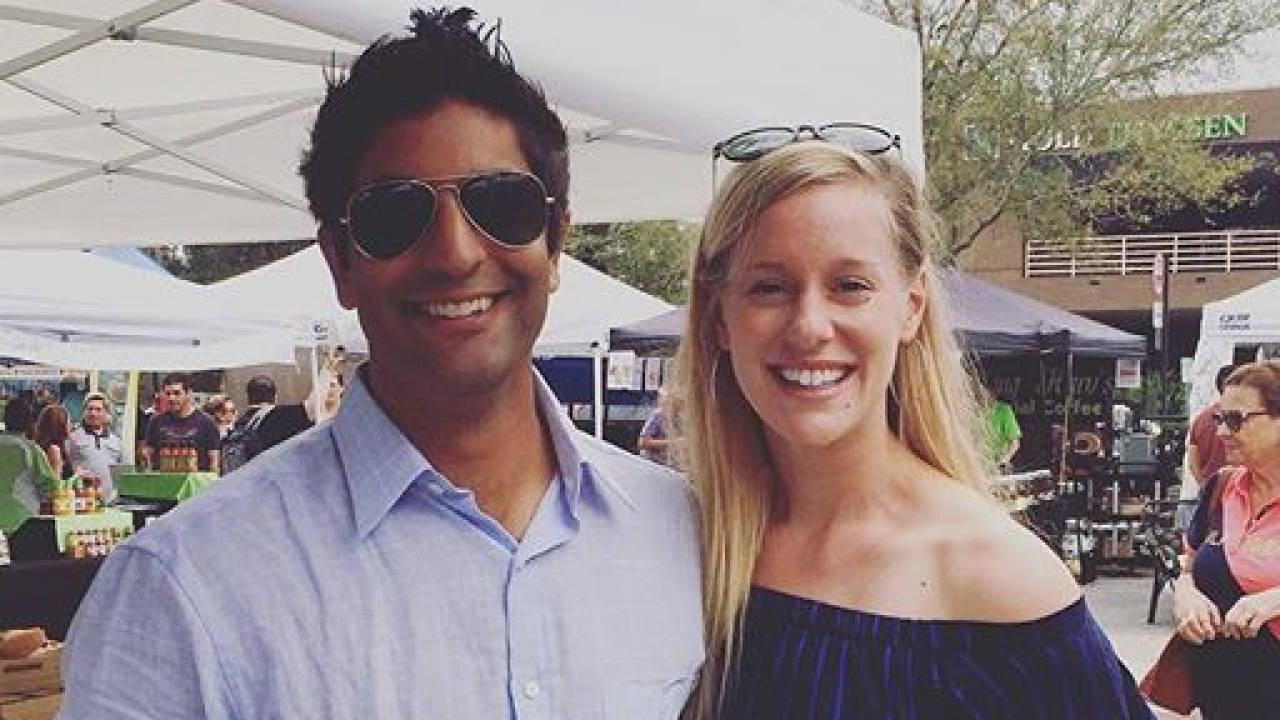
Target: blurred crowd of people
x,y
90,445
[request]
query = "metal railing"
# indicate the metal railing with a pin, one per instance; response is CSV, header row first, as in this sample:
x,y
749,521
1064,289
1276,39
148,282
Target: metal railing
x,y
1203,252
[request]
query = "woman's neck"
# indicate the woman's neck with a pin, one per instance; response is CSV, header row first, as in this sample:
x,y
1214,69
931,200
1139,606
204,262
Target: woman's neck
x,y
851,478
1265,483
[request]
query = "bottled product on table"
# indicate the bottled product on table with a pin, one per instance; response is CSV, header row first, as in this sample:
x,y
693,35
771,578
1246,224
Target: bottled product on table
x,y
63,500
95,543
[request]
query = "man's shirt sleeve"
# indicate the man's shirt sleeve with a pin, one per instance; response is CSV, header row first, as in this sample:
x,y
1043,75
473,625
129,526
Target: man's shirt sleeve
x,y
138,648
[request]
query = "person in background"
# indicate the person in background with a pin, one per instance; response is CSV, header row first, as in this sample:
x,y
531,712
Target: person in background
x,y
182,425
20,413
1228,605
324,401
279,422
158,406
1004,435
1206,448
94,447
449,545
223,411
855,565
50,434
654,441
1206,454
45,396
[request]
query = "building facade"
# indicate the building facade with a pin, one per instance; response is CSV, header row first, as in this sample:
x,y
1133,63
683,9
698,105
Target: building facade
x,y
1110,277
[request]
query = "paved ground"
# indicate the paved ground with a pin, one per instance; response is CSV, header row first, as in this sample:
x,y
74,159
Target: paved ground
x,y
1119,602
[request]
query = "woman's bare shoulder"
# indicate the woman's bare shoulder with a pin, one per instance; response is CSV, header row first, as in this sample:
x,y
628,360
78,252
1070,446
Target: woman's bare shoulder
x,y
993,569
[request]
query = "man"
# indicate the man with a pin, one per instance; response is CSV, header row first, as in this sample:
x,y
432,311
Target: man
x,y
263,425
449,546
1004,435
94,448
182,425
1206,452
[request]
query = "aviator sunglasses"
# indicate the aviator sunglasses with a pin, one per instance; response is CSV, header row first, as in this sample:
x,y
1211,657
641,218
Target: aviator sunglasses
x,y
1234,419
387,217
752,144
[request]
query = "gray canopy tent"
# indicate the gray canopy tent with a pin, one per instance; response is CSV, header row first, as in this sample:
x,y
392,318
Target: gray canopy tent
x,y
991,321
996,325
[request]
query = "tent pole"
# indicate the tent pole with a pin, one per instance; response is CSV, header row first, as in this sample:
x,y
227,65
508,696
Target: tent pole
x,y
315,369
1066,418
597,385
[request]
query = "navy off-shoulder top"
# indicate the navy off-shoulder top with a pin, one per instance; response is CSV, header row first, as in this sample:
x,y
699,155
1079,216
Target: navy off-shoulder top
x,y
806,660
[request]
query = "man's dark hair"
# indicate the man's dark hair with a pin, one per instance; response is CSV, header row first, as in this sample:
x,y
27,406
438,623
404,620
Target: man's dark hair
x,y
443,58
182,379
1224,372
261,389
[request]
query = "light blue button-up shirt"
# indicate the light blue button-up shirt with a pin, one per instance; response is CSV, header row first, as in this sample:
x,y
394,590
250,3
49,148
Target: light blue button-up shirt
x,y
340,576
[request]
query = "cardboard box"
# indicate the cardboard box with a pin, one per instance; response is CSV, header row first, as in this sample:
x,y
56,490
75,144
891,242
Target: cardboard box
x,y
30,708
36,674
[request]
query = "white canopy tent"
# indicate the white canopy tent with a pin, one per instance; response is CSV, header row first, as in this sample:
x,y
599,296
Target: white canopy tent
x,y
181,121
59,307
296,294
1251,317
586,306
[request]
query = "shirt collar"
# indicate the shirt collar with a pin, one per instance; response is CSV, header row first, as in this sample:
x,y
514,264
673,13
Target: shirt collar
x,y
380,464
105,431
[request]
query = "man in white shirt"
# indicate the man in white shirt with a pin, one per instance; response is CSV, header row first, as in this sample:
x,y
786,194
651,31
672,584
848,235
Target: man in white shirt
x,y
94,448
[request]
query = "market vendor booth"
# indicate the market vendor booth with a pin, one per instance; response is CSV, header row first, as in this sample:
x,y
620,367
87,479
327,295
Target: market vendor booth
x,y
1057,370
57,531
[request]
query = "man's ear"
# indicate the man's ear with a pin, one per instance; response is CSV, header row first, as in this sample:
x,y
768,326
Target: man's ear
x,y
339,261
553,280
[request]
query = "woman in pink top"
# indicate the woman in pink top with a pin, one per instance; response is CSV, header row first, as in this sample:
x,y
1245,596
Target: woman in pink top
x,y
1229,606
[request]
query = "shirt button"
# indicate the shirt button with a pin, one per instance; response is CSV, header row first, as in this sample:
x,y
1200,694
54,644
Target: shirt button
x,y
532,689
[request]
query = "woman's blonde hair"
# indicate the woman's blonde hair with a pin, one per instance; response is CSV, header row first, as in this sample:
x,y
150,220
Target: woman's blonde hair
x,y
932,402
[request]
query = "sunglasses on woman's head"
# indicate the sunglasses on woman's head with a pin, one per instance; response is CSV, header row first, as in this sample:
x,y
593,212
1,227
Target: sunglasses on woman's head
x,y
1234,419
753,144
387,217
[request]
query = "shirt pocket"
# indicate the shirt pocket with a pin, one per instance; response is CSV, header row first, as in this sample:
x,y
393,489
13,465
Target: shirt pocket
x,y
649,699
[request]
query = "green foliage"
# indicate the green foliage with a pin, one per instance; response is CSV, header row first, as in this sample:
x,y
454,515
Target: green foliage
x,y
1005,79
650,255
1161,394
207,264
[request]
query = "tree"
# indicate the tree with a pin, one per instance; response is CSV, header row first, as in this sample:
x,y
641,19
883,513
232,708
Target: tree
x,y
1022,99
207,264
649,255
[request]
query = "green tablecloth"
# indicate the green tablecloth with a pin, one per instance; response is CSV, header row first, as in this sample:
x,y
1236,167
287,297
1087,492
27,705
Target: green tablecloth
x,y
164,486
63,525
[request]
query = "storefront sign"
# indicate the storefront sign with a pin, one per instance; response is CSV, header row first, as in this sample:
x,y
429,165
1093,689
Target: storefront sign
x,y
1235,322
1204,128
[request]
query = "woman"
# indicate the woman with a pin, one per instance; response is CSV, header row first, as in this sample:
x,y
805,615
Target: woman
x,y
1229,605
855,566
52,428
